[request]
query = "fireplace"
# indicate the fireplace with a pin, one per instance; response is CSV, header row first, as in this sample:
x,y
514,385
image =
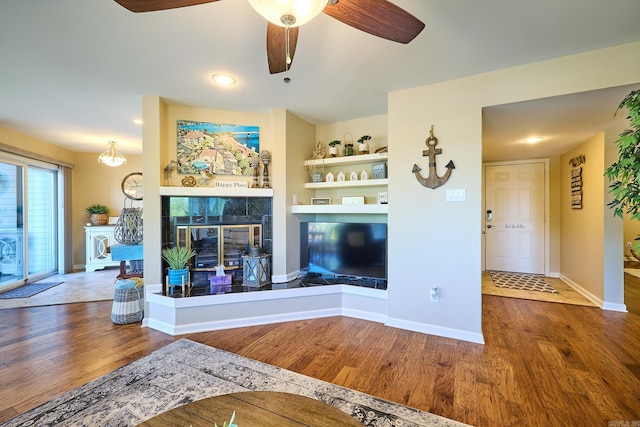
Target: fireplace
x,y
221,230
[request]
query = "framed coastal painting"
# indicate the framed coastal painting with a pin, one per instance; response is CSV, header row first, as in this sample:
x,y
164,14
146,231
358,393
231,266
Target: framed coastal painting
x,y
214,148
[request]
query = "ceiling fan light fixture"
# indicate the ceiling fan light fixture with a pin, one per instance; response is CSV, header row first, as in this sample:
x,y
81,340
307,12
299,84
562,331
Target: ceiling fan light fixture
x,y
112,157
294,12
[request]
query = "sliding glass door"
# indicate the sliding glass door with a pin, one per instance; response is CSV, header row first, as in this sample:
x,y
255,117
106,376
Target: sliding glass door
x,y
11,224
41,222
28,218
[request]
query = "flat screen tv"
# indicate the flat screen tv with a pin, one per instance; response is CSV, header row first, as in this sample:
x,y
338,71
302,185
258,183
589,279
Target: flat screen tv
x,y
338,249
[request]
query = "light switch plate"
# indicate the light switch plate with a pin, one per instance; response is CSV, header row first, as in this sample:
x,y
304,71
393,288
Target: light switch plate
x,y
456,195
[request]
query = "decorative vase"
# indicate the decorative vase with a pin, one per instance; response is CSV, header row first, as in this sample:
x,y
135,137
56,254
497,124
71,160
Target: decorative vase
x,y
98,219
348,150
363,148
333,151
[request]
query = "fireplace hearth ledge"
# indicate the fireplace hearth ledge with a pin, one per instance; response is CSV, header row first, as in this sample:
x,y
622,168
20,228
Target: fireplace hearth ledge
x,y
178,316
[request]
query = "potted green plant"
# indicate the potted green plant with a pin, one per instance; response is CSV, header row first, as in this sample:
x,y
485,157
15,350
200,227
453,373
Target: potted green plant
x,y
624,173
178,258
333,147
98,214
363,145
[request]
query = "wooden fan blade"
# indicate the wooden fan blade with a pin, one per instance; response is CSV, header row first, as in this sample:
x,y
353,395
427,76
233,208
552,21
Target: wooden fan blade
x,y
277,47
378,17
152,5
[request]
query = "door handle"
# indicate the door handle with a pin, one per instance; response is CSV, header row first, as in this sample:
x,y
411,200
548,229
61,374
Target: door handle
x,y
489,226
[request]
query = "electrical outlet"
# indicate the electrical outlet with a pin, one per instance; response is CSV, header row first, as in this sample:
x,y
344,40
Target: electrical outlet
x,y
629,245
435,295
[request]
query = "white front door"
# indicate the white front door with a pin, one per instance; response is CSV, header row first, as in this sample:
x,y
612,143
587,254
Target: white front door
x,y
514,218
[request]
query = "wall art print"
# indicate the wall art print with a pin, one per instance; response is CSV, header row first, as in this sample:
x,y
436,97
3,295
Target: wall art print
x,y
213,148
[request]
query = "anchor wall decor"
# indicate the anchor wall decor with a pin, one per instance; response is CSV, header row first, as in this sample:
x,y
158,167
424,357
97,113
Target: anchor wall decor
x,y
432,180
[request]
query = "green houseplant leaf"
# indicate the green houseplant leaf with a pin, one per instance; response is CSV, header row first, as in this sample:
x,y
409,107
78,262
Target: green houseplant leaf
x,y
97,209
178,257
624,174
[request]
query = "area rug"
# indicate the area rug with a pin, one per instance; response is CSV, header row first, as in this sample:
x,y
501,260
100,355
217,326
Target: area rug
x,y
29,290
185,371
523,282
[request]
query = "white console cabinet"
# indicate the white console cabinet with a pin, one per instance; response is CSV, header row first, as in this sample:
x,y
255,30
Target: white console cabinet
x,y
98,240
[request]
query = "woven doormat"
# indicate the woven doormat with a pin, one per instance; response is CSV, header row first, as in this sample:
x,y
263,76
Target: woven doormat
x,y
26,291
524,282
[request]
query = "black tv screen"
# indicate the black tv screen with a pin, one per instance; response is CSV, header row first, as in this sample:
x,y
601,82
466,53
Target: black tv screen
x,y
344,249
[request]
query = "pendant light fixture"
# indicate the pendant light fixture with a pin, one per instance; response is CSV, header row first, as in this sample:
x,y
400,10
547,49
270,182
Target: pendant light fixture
x,y
112,157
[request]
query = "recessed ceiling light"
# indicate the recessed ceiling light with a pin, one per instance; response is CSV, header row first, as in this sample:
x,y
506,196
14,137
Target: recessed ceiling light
x,y
533,139
224,79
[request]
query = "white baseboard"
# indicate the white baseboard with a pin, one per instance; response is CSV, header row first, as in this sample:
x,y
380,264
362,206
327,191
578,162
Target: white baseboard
x,y
283,278
594,299
240,322
457,334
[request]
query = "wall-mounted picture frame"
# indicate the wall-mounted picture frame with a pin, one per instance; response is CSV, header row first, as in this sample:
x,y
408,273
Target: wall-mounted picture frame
x,y
214,148
321,201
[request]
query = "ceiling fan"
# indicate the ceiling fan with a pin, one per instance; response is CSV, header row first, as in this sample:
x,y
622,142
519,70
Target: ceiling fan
x,y
377,17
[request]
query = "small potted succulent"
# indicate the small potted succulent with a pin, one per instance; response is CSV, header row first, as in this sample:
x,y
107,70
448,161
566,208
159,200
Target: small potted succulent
x,y
333,147
363,145
98,214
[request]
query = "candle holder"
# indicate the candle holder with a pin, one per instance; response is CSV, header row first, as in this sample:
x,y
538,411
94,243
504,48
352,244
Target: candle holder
x,y
255,165
265,156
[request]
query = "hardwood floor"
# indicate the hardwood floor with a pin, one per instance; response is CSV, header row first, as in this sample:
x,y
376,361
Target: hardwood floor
x,y
543,364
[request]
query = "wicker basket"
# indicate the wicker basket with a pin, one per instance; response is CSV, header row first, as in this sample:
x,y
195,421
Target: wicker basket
x,y
128,303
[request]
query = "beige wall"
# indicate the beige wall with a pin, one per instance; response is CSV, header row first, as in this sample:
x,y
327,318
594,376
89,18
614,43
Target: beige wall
x,y
42,148
97,183
583,229
374,126
436,243
282,133
300,136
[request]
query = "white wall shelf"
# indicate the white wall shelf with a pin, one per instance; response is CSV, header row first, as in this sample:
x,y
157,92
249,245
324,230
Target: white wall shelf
x,y
340,209
337,184
359,159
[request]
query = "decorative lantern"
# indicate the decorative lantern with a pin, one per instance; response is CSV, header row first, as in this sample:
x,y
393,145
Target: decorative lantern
x,y
128,230
256,270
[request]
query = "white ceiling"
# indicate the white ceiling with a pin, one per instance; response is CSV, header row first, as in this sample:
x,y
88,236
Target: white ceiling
x,y
73,72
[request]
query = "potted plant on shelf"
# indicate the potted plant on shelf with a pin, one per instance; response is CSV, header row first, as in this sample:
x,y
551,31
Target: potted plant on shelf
x,y
178,258
363,145
333,147
98,214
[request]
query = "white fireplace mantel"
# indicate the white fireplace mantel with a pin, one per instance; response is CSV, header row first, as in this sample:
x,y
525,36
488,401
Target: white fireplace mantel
x,y
229,191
